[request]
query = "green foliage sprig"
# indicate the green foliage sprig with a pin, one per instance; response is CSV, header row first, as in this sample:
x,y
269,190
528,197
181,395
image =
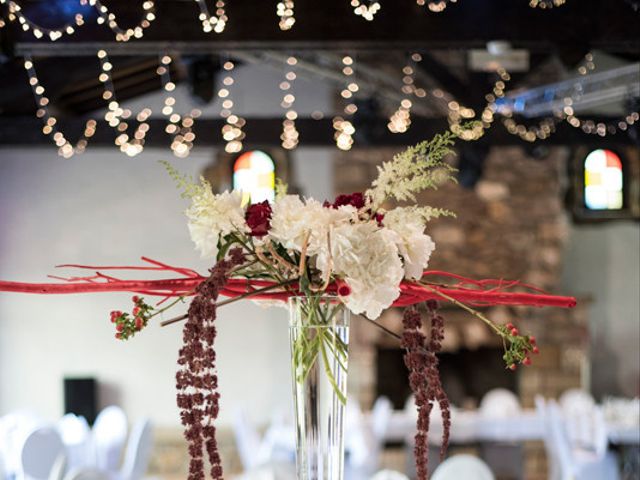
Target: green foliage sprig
x,y
416,169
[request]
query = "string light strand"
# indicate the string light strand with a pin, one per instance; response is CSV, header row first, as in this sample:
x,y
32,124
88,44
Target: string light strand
x,y
284,10
179,127
213,23
116,116
365,8
290,136
50,128
105,16
435,5
344,129
232,130
38,31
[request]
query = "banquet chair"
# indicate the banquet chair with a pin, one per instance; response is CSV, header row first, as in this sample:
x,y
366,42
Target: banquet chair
x,y
41,450
380,417
460,467
505,459
569,462
108,437
136,458
500,403
576,399
75,433
3,472
248,442
389,475
86,474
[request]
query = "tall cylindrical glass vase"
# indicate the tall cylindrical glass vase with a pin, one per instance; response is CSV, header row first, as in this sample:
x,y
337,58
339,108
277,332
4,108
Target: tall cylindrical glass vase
x,y
319,335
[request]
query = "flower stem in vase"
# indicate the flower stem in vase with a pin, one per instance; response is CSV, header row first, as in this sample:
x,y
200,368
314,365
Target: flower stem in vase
x,y
319,335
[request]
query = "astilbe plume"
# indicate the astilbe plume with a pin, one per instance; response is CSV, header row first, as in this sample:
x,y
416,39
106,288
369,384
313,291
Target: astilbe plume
x,y
196,379
424,379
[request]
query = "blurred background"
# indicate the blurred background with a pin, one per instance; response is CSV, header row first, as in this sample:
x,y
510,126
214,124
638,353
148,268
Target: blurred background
x,y
548,193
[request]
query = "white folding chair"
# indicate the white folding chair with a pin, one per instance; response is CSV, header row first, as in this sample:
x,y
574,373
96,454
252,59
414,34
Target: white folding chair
x,y
76,435
573,463
248,442
506,459
499,403
40,451
108,437
86,474
460,467
380,416
389,475
136,459
576,399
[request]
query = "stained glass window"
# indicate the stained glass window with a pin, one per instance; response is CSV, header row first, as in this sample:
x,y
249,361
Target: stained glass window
x,y
603,183
254,175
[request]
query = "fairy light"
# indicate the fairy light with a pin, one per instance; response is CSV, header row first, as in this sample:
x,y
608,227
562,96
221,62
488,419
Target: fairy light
x,y
365,8
546,3
212,23
589,65
400,120
50,128
179,127
344,129
105,16
116,116
232,130
38,31
290,135
284,9
435,5
473,130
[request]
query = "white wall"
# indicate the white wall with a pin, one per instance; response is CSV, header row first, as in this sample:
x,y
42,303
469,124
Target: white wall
x,y
104,208
603,261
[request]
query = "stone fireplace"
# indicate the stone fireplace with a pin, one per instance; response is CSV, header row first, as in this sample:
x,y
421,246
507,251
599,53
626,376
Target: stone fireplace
x,y
511,225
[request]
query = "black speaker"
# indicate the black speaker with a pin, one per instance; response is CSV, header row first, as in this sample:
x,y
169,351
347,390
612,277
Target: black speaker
x,y
80,397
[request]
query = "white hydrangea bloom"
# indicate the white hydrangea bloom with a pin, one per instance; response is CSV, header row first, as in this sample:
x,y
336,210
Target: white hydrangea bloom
x,y
414,245
366,256
212,216
292,218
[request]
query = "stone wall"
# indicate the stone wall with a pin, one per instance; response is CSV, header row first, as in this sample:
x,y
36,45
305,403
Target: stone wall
x,y
511,225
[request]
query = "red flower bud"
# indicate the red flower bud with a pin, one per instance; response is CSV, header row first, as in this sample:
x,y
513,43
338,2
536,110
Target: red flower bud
x,y
514,331
532,340
344,290
136,311
119,327
118,336
258,217
139,324
135,299
510,326
536,350
527,361
513,366
355,199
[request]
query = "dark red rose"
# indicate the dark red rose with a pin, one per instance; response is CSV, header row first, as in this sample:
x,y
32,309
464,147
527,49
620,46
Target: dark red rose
x,y
354,199
258,216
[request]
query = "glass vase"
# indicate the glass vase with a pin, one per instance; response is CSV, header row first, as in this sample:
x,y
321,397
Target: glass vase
x,y
319,335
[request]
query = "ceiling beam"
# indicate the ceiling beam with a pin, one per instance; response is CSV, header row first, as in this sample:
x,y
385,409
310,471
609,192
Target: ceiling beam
x,y
265,132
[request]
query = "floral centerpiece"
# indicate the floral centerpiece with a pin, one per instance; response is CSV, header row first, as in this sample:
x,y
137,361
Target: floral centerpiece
x,y
356,254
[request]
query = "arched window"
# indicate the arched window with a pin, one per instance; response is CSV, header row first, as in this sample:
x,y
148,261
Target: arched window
x,y
603,181
254,175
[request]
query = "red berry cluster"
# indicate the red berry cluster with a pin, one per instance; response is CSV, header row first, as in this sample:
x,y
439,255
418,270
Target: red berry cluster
x,y
519,348
127,325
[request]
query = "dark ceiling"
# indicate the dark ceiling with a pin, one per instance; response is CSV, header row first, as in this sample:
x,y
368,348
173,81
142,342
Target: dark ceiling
x,y
560,36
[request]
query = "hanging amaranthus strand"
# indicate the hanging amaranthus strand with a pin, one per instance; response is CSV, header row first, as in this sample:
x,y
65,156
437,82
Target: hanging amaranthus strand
x,y
196,379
